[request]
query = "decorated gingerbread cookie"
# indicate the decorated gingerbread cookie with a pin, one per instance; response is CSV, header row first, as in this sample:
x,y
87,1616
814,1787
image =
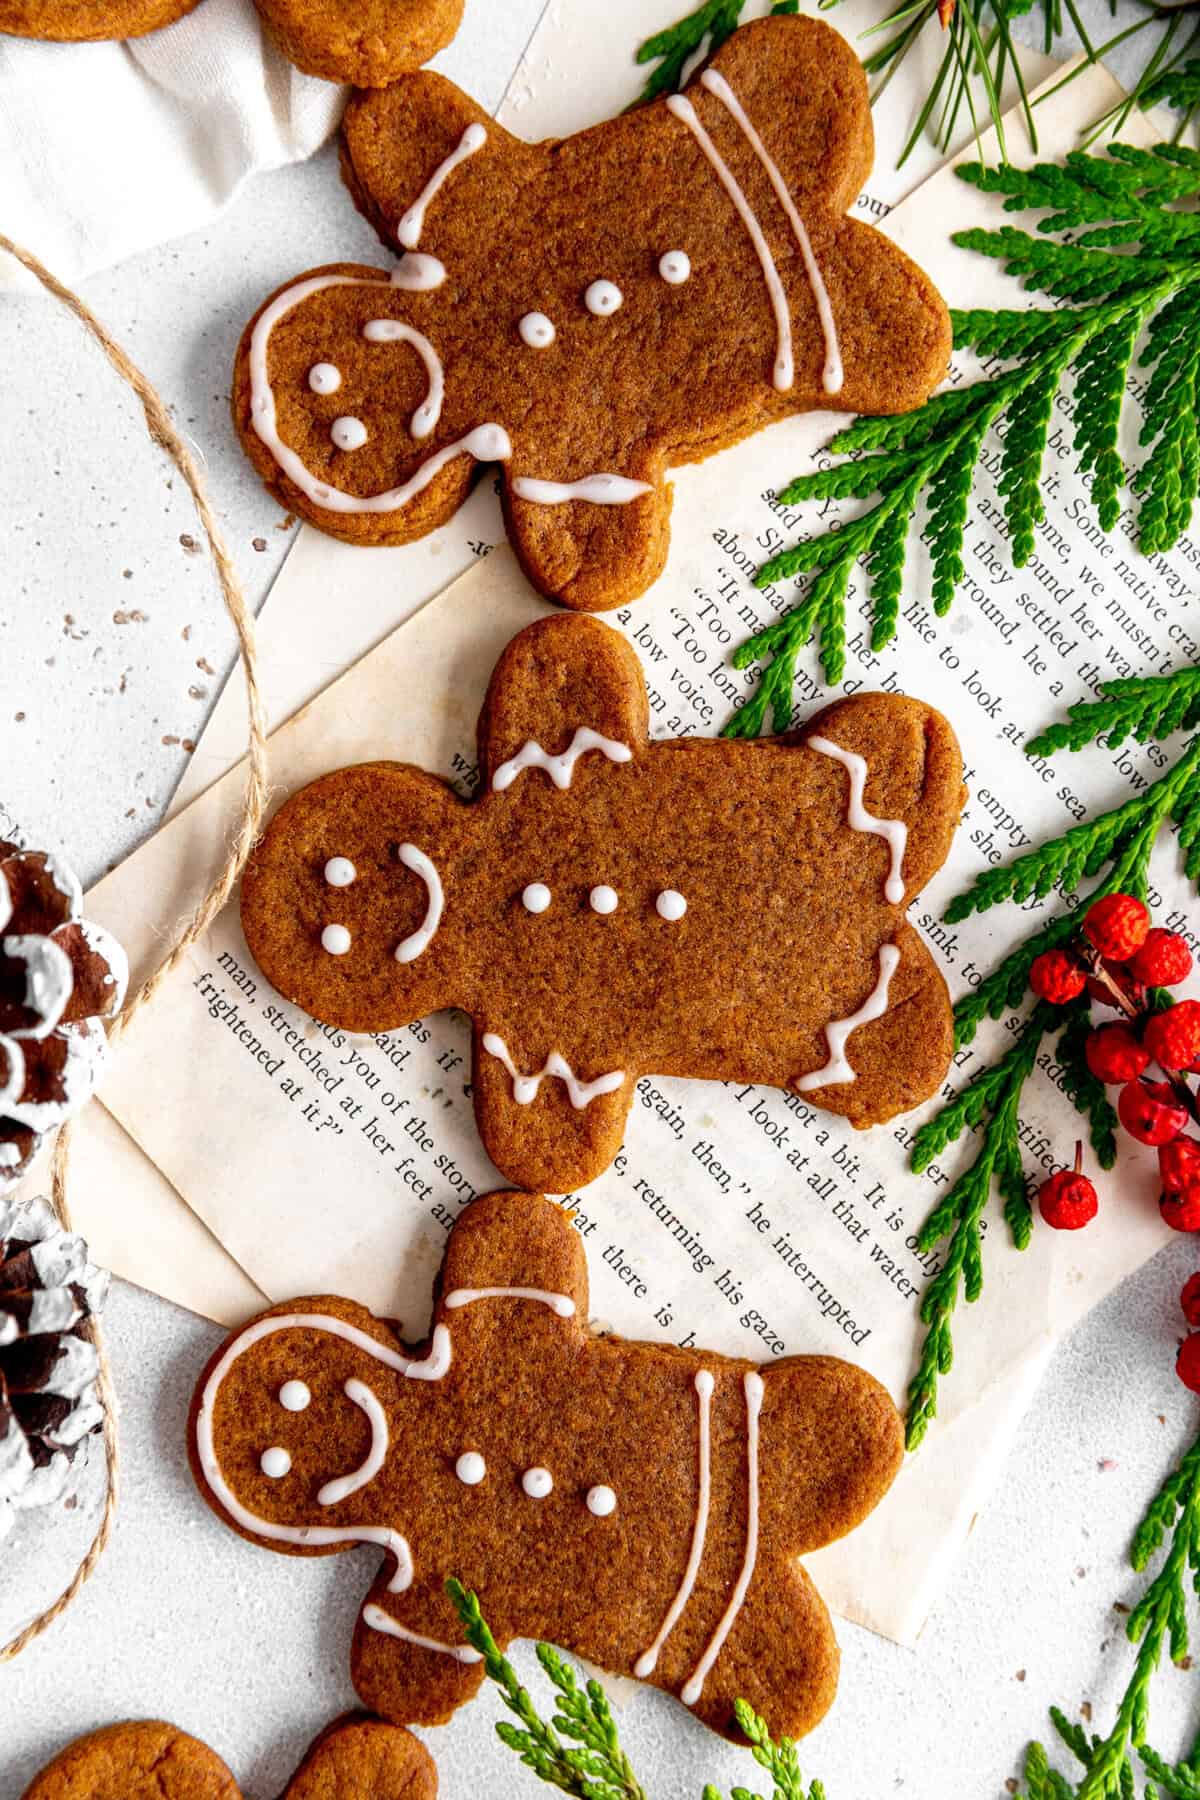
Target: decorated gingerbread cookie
x,y
587,313
356,1759
609,908
641,1505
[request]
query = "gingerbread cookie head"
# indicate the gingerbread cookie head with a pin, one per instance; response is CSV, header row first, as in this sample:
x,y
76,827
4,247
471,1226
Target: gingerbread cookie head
x,y
641,1505
587,313
609,908
355,1759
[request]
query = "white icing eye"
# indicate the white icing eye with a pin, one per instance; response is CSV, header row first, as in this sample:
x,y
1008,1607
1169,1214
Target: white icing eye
x,y
601,1501
603,900
336,940
537,331
470,1468
675,267
536,897
294,1396
670,905
537,1483
603,298
324,378
275,1462
348,433
340,871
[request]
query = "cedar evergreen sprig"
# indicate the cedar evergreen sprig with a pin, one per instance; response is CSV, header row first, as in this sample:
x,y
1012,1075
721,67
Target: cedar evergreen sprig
x,y
1119,248
1115,846
594,1766
701,32
1159,1619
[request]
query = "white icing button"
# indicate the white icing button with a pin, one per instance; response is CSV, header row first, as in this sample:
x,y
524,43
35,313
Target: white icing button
x,y
340,871
537,1483
602,298
601,1501
675,267
470,1468
536,897
603,900
670,905
323,378
537,331
294,1396
335,939
348,433
275,1462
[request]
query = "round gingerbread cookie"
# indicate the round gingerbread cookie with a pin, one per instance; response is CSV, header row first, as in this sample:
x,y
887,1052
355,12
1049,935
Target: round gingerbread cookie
x,y
365,42
81,21
143,1761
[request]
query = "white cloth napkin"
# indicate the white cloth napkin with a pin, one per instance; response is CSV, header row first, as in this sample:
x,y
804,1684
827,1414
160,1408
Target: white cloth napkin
x,y
106,148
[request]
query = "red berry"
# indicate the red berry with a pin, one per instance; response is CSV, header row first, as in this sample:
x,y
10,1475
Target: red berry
x,y
1179,1165
1117,926
1181,1211
1189,1299
1164,960
1114,1054
1187,1363
1173,1037
1150,1112
1056,976
1068,1200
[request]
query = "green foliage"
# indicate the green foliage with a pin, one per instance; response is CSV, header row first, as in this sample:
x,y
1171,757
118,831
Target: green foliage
x,y
673,49
1119,245
779,1760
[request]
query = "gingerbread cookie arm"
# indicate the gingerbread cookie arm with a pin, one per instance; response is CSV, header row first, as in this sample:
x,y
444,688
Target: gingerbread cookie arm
x,y
363,1759
367,43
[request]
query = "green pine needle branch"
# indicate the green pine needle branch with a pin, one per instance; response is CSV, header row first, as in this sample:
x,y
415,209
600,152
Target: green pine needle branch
x,y
592,1765
1118,249
1159,1619
1114,847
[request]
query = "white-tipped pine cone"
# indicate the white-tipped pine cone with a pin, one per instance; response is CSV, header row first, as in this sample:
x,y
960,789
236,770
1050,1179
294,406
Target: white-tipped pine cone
x,y
61,977
49,1403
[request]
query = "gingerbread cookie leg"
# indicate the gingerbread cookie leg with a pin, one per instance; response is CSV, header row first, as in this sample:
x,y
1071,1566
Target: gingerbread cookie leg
x,y
571,535
365,42
409,1658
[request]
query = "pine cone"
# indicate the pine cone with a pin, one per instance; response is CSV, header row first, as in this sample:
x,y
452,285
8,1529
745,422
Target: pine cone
x,y
60,978
48,1399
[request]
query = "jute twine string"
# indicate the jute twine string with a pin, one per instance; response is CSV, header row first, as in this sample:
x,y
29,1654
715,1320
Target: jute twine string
x,y
168,439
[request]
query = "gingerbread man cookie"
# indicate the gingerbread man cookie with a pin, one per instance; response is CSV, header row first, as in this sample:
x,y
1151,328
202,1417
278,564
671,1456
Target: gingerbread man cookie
x,y
355,1759
609,908
587,313
641,1505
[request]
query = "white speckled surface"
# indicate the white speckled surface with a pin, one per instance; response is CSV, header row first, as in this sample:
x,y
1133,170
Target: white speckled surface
x,y
110,633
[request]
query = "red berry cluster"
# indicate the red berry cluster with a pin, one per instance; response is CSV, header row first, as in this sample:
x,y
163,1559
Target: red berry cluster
x,y
1187,1363
1117,957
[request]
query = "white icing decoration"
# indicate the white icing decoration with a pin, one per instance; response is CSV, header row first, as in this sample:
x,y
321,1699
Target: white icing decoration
x,y
560,768
348,433
324,378
675,267
525,1087
537,1483
893,831
49,980
785,370
647,1661
336,940
431,1368
340,871
536,897
537,331
344,1485
295,1396
418,274
600,490
395,331
833,374
411,947
275,1462
604,900
470,1468
670,905
603,298
838,1069
752,1387
376,1619
562,1304
601,1502
409,230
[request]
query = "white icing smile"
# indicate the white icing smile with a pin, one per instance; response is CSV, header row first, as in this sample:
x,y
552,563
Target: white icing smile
x,y
344,1485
